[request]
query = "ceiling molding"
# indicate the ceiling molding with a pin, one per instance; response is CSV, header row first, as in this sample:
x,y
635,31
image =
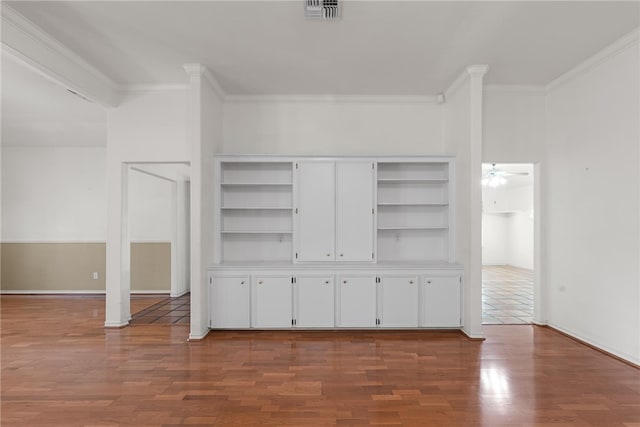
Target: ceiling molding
x,y
477,70
39,51
361,99
196,69
516,89
152,87
456,85
613,49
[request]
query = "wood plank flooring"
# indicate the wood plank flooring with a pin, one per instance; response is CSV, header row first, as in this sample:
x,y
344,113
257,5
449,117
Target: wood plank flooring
x,y
60,367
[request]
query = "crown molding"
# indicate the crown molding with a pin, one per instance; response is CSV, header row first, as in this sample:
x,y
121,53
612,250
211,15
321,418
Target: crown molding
x,y
152,87
195,69
516,89
477,70
472,71
613,49
360,99
39,51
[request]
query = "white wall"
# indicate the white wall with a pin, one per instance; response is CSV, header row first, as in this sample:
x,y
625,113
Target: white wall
x,y
53,194
338,127
150,208
514,125
507,226
592,202
495,239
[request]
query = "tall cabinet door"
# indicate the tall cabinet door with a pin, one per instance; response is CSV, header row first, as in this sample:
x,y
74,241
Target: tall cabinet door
x,y
315,211
354,211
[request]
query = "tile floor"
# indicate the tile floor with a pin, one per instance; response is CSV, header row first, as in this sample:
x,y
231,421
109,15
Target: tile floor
x,y
507,295
168,311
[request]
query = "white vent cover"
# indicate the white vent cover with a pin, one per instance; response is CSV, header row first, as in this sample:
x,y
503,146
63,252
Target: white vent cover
x,y
322,9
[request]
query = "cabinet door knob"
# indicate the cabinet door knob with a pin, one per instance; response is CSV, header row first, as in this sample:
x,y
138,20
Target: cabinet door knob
x,y
242,282
259,282
411,282
328,254
429,281
341,254
326,282
344,281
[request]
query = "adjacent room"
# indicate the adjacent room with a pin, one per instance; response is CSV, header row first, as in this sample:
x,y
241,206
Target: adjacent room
x,y
320,212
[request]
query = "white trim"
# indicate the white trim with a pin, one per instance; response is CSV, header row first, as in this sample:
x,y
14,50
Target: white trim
x,y
199,336
595,60
179,294
43,40
214,84
631,358
455,85
116,324
472,336
533,90
155,175
152,87
361,99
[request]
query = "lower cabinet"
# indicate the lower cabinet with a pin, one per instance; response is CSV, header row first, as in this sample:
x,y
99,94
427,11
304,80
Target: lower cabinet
x,y
229,300
441,303
326,298
357,301
399,302
314,301
273,306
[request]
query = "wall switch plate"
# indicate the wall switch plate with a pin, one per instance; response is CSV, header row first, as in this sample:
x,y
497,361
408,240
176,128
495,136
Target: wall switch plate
x,y
95,275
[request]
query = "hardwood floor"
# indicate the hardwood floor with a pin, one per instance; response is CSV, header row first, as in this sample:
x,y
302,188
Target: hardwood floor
x,y
60,367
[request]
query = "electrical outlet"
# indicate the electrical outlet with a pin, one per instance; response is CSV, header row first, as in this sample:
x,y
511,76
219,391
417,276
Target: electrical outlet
x,y
95,275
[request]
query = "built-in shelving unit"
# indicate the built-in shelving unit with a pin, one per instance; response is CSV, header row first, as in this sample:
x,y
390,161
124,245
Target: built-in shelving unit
x,y
255,200
413,211
333,242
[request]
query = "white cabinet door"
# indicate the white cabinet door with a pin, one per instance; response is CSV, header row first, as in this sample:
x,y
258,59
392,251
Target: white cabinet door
x,y
399,301
229,302
315,186
315,301
441,302
357,299
273,302
354,210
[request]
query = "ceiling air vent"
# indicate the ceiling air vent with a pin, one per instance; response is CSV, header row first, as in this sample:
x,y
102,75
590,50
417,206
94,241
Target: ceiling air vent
x,y
322,9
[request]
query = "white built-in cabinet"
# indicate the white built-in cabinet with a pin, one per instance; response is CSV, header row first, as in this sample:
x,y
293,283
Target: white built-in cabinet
x,y
334,242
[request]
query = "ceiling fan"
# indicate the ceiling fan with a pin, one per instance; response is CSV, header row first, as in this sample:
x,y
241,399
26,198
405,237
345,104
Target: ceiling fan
x,y
495,177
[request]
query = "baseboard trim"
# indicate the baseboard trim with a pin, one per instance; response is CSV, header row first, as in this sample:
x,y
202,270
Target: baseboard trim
x,y
179,294
200,337
160,292
115,325
591,346
473,337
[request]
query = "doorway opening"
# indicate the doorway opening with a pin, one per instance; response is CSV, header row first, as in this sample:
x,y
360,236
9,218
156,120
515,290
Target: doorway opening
x,y
508,293
159,229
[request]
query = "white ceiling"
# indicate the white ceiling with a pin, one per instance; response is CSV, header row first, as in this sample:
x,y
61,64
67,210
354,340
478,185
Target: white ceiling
x,y
378,48
38,112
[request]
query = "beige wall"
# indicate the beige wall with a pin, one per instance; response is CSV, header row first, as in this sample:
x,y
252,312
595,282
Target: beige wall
x,y
68,267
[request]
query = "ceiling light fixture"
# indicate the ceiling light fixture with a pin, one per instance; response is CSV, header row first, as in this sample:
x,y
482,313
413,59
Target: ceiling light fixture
x,y
327,10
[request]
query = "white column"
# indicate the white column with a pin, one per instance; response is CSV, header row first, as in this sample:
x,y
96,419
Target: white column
x,y
474,273
175,250
118,262
199,328
182,207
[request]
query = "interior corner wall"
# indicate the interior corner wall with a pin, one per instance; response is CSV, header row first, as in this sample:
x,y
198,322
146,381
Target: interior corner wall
x,y
340,127
592,234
